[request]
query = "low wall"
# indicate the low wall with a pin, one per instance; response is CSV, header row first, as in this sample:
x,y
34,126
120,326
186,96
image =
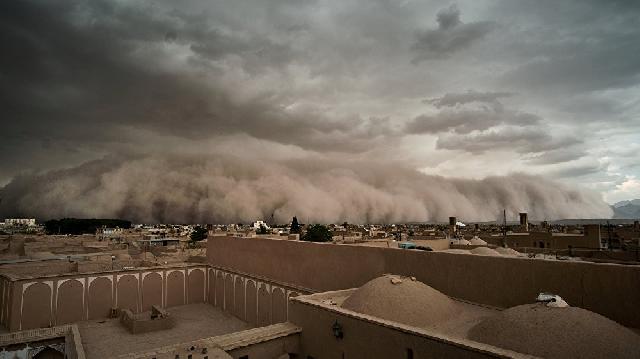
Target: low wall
x,y
609,289
73,344
73,348
144,323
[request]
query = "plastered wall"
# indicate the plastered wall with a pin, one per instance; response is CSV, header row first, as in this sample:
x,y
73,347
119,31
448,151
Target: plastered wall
x,y
56,300
257,301
609,289
362,338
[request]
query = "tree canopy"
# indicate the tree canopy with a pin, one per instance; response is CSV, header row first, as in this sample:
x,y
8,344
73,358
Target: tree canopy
x,y
317,233
82,225
198,234
295,227
262,230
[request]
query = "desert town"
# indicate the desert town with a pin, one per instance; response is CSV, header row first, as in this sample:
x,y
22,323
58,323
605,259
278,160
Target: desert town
x,y
319,179
510,290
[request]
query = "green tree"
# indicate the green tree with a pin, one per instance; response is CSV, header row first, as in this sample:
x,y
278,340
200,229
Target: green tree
x,y
262,230
198,234
317,233
295,227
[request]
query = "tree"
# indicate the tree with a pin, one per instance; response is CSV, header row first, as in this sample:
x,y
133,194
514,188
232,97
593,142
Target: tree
x,y
295,227
198,234
262,230
317,233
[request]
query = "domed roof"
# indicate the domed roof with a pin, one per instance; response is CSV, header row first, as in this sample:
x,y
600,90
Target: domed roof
x,y
507,251
557,333
476,241
485,251
461,242
457,251
402,300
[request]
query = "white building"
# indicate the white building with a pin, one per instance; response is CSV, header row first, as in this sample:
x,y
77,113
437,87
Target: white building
x,y
258,224
30,222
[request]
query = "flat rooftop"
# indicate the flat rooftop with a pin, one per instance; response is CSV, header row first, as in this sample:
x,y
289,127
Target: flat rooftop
x,y
108,338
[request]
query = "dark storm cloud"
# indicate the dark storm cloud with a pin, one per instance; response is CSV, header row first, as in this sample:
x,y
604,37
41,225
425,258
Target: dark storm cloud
x,y
575,46
486,112
523,140
454,99
465,121
452,35
559,155
577,171
71,68
166,91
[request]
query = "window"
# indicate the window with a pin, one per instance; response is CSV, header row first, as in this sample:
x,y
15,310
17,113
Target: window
x,y
409,353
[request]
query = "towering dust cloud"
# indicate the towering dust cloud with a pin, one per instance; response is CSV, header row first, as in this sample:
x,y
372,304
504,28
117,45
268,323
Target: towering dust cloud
x,y
226,189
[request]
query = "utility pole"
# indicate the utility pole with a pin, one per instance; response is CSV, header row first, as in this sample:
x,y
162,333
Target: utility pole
x,y
504,228
609,235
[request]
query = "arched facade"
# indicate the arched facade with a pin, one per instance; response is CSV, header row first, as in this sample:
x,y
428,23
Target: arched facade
x,y
151,290
278,305
228,293
36,305
127,292
70,299
100,297
239,305
251,294
196,286
175,288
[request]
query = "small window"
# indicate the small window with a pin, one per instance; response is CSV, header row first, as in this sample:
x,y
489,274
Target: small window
x,y
409,353
244,357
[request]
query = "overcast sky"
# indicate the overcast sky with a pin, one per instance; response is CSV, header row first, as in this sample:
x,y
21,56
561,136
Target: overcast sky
x,y
465,89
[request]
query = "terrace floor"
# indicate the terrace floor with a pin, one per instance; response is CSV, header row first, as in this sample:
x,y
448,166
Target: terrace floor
x,y
108,338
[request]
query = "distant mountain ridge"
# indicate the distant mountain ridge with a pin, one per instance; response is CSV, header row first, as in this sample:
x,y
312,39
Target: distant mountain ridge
x,y
626,209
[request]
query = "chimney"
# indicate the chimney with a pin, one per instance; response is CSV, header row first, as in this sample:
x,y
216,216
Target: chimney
x,y
592,235
452,226
524,221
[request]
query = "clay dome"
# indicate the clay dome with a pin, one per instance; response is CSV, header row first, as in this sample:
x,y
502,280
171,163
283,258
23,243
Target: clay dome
x,y
477,241
457,251
507,251
570,332
485,251
402,300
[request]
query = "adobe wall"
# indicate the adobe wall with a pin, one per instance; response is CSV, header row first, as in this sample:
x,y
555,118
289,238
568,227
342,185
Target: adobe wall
x,y
253,299
368,338
136,324
41,302
273,348
548,240
609,289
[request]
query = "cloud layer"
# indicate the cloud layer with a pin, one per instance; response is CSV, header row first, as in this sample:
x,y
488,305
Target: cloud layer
x,y
138,86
